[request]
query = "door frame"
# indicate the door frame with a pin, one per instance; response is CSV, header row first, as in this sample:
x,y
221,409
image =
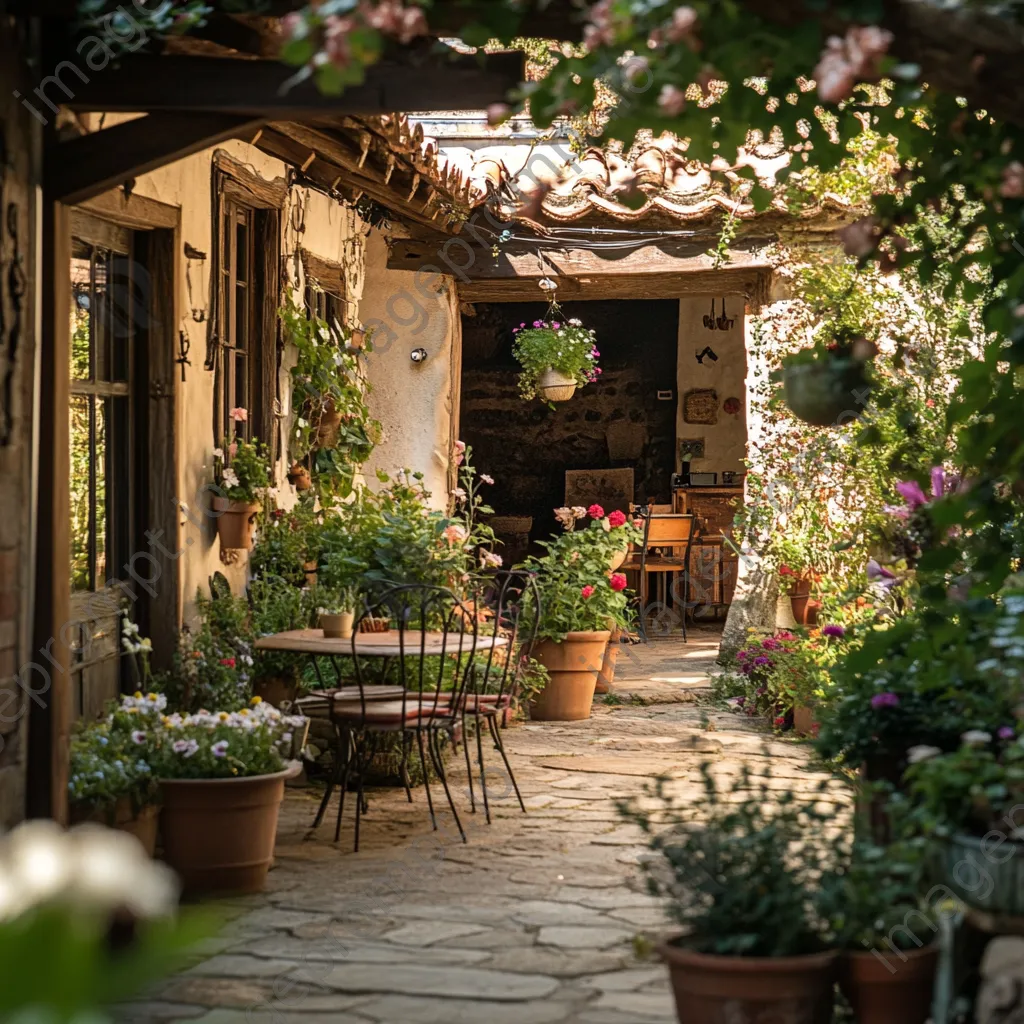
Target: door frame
x,y
50,700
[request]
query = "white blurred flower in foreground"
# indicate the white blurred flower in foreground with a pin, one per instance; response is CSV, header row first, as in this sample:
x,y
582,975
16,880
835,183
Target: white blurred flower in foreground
x,y
89,867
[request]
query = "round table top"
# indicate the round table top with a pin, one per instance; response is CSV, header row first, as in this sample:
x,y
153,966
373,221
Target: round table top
x,y
389,644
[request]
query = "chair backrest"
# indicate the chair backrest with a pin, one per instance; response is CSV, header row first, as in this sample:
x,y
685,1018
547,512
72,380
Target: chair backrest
x,y
663,530
433,642
505,595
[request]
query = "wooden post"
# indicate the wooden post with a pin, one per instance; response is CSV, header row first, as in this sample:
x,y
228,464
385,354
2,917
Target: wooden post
x,y
48,677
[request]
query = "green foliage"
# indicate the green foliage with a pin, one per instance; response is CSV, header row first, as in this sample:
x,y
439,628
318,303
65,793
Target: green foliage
x,y
738,874
555,343
276,606
333,428
241,470
285,542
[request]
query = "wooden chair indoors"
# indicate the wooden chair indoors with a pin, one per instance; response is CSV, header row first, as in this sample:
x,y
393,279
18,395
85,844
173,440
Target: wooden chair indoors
x,y
665,549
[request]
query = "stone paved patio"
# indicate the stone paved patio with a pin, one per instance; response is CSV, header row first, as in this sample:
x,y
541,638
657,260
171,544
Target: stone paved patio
x,y
538,920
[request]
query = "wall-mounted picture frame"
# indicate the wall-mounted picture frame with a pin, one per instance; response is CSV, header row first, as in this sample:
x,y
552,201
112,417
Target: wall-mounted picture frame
x,y
700,406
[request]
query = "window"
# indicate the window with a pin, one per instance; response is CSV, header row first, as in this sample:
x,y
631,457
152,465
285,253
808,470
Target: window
x,y
325,290
240,370
101,412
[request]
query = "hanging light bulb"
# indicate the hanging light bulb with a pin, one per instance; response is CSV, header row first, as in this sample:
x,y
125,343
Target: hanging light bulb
x,y
546,284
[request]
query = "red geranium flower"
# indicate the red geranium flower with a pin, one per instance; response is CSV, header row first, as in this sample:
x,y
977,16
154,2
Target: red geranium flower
x,y
587,591
780,721
230,662
616,518
617,581
595,511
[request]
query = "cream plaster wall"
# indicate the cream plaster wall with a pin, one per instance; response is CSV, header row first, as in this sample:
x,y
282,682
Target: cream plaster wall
x,y
416,403
310,220
725,441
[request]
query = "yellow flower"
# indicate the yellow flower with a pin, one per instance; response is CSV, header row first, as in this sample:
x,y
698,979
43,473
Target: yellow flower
x,y
133,711
223,716
138,693
256,700
151,696
244,711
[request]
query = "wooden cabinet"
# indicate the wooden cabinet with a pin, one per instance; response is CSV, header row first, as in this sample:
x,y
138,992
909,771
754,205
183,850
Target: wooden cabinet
x,y
713,562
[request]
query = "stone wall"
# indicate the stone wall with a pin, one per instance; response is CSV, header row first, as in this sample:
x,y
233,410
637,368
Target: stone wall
x,y
16,492
617,422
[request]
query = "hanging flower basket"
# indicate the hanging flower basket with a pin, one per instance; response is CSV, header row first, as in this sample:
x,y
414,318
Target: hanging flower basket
x,y
236,522
828,389
557,354
555,387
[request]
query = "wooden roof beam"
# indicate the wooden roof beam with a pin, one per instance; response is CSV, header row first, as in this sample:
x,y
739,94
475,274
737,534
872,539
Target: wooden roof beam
x,y
149,82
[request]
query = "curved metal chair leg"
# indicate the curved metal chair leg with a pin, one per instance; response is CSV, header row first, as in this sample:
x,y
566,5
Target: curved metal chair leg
x,y
433,741
404,767
340,762
426,778
483,768
496,733
469,768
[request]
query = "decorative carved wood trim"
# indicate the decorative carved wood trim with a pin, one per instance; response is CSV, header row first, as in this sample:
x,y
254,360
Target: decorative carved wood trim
x,y
327,273
238,182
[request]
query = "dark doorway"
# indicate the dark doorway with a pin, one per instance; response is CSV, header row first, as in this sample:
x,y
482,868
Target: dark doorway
x,y
627,419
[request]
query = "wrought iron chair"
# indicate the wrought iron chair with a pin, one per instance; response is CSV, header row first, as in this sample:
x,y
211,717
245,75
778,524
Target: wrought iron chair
x,y
493,680
435,633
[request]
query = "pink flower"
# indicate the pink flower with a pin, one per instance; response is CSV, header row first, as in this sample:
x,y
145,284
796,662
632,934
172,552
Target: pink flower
x,y
486,478
232,449
616,519
239,415
392,19
850,60
885,700
671,100
617,581
454,533
460,452
595,511
1013,181
587,591
912,494
638,523
489,560
680,29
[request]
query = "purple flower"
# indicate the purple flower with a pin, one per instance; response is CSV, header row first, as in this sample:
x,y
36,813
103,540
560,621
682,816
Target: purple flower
x,y
879,574
556,325
522,325
834,630
912,494
770,643
762,660
938,481
885,700
1006,732
741,655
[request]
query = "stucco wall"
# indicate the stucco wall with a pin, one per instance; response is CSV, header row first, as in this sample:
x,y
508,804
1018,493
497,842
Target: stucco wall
x,y
725,441
310,220
416,403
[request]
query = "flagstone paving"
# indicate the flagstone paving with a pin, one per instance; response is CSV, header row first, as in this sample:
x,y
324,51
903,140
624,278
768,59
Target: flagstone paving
x,y
541,918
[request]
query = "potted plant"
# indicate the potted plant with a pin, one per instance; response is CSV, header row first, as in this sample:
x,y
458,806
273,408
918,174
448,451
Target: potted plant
x,y
338,612
579,603
972,800
222,775
557,354
740,883
875,904
276,606
242,477
828,386
110,779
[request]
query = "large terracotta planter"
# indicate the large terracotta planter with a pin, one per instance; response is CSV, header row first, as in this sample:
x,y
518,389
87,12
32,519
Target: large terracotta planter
x,y
123,816
804,605
236,522
804,721
606,677
556,387
896,989
219,833
573,666
712,989
987,874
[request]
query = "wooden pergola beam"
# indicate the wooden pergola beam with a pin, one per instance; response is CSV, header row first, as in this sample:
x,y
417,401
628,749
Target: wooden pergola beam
x,y
257,88
78,169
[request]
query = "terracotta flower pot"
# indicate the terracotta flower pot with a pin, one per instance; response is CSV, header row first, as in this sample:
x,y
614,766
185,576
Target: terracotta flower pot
x,y
236,523
804,605
712,989
339,626
606,677
556,387
573,666
219,833
804,722
299,478
330,424
896,989
142,823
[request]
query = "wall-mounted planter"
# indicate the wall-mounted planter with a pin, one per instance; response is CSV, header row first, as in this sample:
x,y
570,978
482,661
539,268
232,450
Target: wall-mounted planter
x,y
236,523
299,478
556,387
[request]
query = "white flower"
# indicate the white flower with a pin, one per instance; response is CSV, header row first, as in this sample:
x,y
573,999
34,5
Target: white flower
x,y
458,494
218,453
488,559
230,477
220,748
976,737
486,478
922,753
138,737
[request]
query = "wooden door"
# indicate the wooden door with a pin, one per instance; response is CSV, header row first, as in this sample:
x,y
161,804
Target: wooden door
x,y
107,316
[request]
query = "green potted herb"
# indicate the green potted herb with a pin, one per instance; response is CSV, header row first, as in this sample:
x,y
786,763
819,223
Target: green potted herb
x,y
972,800
242,476
875,904
738,877
557,354
338,612
222,775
